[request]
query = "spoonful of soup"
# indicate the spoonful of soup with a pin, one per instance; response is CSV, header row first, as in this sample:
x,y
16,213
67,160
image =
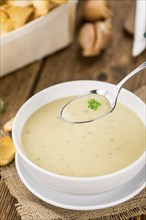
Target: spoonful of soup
x,y
96,103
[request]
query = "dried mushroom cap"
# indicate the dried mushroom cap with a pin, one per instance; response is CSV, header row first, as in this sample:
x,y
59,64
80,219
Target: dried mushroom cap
x,y
3,16
58,2
6,27
7,150
96,10
2,133
22,11
87,38
4,7
8,125
94,37
53,5
41,7
103,33
20,3
20,15
6,24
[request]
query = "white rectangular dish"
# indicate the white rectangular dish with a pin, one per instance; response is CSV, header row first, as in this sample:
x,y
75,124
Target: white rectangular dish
x,y
38,38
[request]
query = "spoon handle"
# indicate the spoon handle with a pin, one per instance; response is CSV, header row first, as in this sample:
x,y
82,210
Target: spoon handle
x,y
134,72
113,94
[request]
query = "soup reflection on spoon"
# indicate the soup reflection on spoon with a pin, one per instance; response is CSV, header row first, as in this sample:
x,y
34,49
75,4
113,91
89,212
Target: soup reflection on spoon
x,y
86,108
95,103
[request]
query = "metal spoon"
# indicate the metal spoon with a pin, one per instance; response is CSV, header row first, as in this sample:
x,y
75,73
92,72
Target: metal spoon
x,y
110,96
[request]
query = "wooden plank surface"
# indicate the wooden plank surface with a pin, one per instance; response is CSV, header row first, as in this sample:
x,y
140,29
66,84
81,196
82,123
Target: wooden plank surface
x,y
15,89
68,64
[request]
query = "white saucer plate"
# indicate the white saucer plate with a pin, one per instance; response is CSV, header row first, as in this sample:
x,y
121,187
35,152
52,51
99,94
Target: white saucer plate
x,y
73,202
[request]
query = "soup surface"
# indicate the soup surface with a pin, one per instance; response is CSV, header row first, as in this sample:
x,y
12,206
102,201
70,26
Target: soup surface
x,y
83,150
86,108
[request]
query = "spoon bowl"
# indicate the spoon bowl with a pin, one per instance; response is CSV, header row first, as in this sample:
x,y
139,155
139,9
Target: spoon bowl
x,y
82,114
95,103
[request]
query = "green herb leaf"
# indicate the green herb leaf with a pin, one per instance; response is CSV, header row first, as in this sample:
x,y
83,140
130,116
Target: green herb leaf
x,y
93,104
2,106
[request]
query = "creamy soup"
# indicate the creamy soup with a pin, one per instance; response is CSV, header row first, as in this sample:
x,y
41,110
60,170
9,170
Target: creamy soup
x,y
83,150
86,108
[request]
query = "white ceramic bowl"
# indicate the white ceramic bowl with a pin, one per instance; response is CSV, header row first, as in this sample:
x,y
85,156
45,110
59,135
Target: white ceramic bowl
x,y
76,185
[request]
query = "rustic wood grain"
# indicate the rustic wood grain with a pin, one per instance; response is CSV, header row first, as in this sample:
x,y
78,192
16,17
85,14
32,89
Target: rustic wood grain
x,y
129,23
15,89
141,92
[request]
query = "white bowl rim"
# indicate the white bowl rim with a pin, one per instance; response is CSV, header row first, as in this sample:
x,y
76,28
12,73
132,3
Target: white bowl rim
x,y
71,178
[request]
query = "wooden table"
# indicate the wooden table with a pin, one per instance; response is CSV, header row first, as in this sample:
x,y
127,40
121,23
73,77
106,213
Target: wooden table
x,y
68,64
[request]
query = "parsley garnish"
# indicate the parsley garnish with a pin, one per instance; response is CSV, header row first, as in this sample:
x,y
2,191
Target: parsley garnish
x,y
93,104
